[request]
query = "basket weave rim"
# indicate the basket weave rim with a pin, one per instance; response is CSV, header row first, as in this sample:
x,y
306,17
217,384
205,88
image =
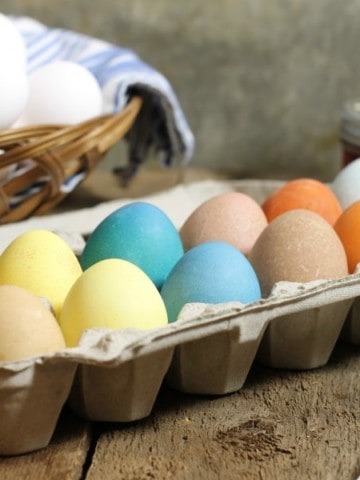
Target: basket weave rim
x,y
57,153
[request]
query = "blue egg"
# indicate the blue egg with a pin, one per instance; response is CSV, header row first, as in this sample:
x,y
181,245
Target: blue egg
x,y
212,272
140,233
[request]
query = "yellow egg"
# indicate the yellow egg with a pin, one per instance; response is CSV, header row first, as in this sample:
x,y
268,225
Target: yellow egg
x,y
27,327
114,294
43,263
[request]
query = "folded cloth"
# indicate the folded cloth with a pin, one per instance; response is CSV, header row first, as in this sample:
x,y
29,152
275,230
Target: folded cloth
x,y
161,126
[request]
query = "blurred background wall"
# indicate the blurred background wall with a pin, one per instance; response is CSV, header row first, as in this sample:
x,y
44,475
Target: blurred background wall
x,y
261,83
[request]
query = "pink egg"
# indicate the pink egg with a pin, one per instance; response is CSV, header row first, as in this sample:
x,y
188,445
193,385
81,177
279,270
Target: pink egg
x,y
231,217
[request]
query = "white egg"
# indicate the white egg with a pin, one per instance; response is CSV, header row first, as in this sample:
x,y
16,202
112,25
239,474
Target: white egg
x,y
13,79
62,92
12,45
346,184
14,89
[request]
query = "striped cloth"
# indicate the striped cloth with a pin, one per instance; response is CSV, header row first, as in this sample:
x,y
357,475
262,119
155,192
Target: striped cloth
x,y
161,126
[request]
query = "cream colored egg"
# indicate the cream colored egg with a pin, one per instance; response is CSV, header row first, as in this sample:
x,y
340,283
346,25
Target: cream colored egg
x,y
27,327
114,294
43,263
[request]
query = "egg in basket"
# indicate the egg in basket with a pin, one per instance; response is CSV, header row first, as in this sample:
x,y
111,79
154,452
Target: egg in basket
x,y
65,100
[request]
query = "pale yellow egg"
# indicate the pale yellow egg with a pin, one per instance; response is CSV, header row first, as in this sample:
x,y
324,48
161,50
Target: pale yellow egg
x,y
43,263
113,294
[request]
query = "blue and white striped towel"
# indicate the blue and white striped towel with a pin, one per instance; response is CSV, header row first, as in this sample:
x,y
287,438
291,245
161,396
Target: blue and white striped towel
x,y
161,125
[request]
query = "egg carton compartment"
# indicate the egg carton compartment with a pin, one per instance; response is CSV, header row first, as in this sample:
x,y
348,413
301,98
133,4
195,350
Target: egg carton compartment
x,y
218,363
350,332
122,390
297,327
351,329
304,339
32,395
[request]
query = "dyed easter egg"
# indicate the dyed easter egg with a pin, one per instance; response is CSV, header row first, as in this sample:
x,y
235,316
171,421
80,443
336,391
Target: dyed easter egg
x,y
140,233
348,229
41,262
303,193
112,294
231,217
27,327
212,272
298,246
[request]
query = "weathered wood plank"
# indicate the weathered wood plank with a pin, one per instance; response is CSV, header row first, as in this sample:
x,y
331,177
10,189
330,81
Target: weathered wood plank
x,y
63,459
281,425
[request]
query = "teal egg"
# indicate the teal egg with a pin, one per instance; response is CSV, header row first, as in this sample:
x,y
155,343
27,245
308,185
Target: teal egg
x,y
140,233
212,272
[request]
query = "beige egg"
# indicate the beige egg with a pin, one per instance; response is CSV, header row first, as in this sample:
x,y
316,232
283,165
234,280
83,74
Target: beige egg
x,y
298,246
27,327
231,217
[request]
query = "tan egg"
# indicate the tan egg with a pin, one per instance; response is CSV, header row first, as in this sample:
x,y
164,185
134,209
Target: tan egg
x,y
231,217
27,326
298,246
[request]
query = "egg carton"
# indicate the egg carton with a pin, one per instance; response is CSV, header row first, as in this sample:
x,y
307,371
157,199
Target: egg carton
x,y
116,375
351,331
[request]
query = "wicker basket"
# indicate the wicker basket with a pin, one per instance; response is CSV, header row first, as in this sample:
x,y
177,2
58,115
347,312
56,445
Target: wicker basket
x,y
42,159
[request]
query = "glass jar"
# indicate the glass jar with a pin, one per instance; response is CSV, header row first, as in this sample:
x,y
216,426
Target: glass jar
x,y
350,131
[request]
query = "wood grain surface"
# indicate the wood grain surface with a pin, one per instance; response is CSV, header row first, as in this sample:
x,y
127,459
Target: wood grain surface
x,y
280,425
64,458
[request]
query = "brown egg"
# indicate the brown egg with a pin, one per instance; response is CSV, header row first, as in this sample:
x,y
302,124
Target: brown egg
x,y
231,217
298,246
27,327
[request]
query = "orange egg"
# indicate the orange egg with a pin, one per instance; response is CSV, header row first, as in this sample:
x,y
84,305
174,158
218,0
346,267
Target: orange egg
x,y
348,229
303,193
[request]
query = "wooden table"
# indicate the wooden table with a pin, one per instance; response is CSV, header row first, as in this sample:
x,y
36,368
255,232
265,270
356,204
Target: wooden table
x,y
280,425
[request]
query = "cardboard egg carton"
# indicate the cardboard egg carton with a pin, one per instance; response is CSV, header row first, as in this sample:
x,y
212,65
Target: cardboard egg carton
x,y
116,375
351,331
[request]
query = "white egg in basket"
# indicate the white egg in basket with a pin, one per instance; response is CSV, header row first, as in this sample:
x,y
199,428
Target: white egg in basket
x,y
62,92
13,78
